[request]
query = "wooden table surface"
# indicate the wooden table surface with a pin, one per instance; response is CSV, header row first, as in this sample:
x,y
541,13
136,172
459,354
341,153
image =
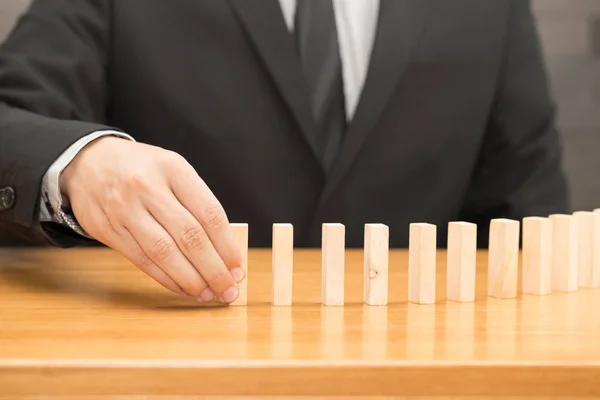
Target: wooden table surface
x,y
85,322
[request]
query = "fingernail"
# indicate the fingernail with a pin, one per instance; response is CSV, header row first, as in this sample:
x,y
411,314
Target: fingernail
x,y
207,295
238,274
230,295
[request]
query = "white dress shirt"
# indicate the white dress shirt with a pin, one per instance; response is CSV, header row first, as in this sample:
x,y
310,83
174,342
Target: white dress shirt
x,y
356,23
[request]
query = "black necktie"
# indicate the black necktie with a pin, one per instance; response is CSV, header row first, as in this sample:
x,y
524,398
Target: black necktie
x,y
318,48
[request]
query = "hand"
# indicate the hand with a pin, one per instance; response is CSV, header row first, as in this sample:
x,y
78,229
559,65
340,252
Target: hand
x,y
150,205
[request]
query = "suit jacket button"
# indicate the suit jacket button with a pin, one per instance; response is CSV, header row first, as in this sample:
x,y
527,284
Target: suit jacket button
x,y
7,198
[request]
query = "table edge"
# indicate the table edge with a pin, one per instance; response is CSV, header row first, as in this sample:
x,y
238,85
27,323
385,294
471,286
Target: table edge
x,y
270,363
311,378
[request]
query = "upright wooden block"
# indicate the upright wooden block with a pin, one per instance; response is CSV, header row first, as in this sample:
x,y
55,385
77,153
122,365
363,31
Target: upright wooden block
x,y
333,264
537,255
422,263
585,226
376,255
596,254
461,261
282,264
240,232
588,240
503,258
565,269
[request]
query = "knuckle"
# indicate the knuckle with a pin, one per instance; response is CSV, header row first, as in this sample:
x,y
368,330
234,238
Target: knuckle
x,y
172,159
138,180
193,238
219,280
113,208
114,200
144,262
162,249
213,217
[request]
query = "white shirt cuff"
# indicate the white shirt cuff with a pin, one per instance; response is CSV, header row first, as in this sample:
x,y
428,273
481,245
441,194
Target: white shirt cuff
x,y
54,206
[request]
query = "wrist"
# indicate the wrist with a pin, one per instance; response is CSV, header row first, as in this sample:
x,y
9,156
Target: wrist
x,y
68,173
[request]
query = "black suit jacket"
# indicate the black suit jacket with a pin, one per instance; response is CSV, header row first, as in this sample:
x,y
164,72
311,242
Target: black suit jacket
x,y
454,122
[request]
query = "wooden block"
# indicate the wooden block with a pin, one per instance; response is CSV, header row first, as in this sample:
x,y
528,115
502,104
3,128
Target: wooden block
x,y
588,249
282,264
503,258
461,261
376,255
596,254
537,255
422,263
240,232
564,257
332,264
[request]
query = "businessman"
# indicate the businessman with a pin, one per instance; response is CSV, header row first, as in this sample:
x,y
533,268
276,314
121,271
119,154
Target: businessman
x,y
149,125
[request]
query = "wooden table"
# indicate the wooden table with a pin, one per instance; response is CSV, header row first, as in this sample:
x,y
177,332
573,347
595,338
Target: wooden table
x,y
87,323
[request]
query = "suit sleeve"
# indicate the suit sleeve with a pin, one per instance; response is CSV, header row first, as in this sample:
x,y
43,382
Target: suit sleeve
x,y
53,91
520,170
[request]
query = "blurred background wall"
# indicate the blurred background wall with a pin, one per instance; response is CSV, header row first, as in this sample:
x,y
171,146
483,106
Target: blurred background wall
x,y
9,10
570,32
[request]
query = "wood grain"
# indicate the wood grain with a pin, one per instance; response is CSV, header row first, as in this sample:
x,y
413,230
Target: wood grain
x,y
86,323
287,398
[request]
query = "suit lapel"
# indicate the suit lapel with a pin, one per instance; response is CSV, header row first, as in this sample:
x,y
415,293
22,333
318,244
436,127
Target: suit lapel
x,y
264,23
401,23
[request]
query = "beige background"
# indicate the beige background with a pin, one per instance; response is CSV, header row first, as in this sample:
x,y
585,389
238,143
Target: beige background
x,y
570,32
